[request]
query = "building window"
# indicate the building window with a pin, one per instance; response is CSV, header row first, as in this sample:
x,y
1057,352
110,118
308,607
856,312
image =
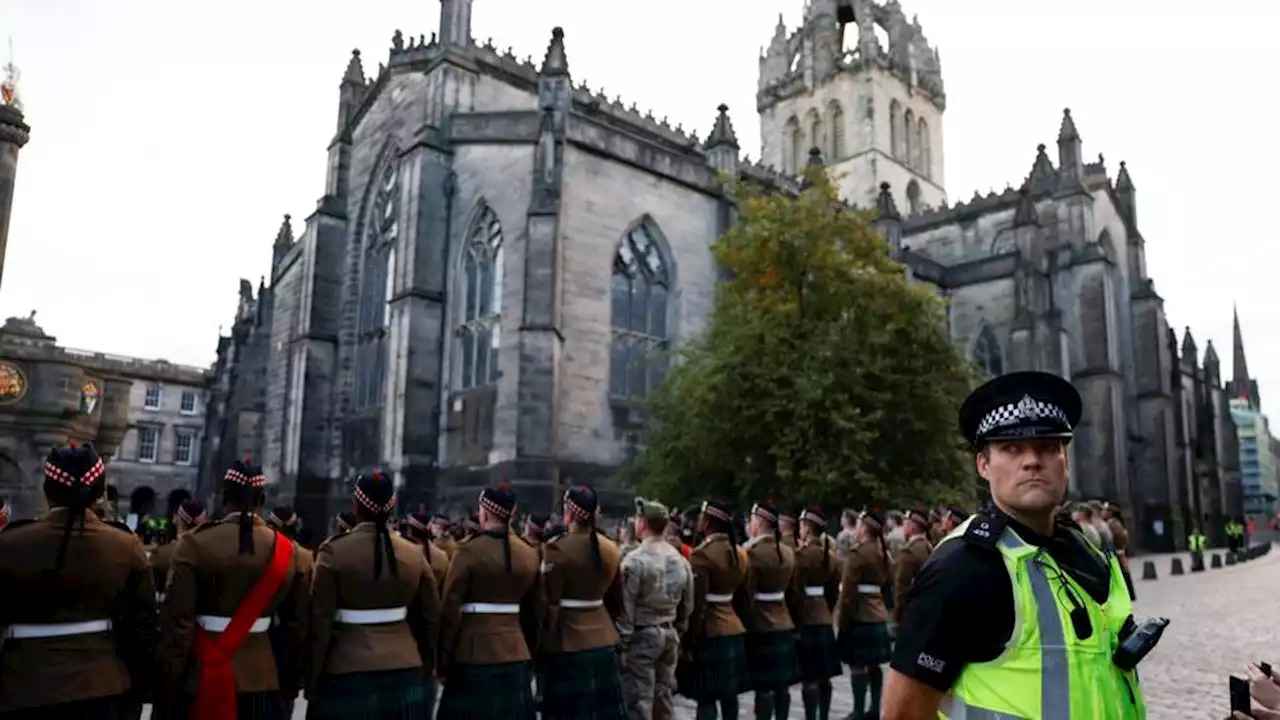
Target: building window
x,y
913,197
793,148
188,406
152,399
641,288
376,273
479,332
986,353
908,139
184,450
148,444
895,132
837,132
816,139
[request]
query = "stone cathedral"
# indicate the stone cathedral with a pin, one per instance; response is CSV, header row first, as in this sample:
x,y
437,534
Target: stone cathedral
x,y
498,251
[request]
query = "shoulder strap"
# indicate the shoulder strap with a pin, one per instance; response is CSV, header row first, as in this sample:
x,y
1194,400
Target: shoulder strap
x,y
984,530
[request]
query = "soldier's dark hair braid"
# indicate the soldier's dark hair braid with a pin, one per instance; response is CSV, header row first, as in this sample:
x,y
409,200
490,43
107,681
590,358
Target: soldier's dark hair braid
x,y
73,478
375,498
582,503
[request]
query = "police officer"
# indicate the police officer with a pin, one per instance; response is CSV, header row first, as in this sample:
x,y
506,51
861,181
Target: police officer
x,y
79,616
583,597
375,610
188,515
657,600
910,558
235,612
485,649
771,645
811,600
1196,544
713,668
957,653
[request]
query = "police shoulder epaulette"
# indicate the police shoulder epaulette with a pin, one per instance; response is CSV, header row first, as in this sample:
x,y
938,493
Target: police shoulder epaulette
x,y
18,523
985,530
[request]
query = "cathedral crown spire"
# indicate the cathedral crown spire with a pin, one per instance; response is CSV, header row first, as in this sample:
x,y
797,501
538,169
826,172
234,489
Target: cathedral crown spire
x,y
722,133
355,69
555,62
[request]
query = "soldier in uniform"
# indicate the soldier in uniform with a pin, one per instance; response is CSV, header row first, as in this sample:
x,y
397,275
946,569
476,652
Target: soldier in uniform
x,y
442,534
78,611
811,600
375,610
343,522
713,670
471,527
554,530
233,583
534,525
864,641
583,597
419,525
657,600
288,523
188,515
787,528
488,622
771,645
908,560
1120,535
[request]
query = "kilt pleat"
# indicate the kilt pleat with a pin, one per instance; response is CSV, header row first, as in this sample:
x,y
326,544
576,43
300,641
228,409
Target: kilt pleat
x,y
717,670
103,708
249,706
583,685
865,644
386,695
487,692
771,660
816,653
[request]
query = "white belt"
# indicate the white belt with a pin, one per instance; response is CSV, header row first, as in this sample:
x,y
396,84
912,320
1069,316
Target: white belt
x,y
580,604
480,608
718,598
219,623
815,590
868,589
159,597
380,616
771,596
50,630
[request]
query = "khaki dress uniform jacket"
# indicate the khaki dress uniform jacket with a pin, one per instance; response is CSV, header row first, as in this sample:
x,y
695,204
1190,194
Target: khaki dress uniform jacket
x,y
346,635
104,577
906,566
477,576
208,579
570,577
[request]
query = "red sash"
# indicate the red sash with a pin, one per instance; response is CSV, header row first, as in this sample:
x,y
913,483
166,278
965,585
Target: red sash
x,y
216,694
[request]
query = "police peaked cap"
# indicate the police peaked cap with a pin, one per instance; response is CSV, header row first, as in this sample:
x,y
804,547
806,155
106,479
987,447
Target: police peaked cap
x,y
1021,405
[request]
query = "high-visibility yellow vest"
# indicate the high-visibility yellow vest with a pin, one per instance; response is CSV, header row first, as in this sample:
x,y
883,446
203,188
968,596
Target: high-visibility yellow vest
x,y
1045,671
1195,542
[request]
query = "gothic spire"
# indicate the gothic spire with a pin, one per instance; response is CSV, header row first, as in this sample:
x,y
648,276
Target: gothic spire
x,y
1123,181
1190,355
1025,215
355,69
722,133
285,235
1211,363
885,204
1068,132
555,63
1242,385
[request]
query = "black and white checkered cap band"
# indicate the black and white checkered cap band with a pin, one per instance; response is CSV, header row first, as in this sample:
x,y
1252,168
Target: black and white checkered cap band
x,y
1028,409
764,512
715,512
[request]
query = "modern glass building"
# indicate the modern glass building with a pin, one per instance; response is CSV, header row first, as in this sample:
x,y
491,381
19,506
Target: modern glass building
x,y
1257,462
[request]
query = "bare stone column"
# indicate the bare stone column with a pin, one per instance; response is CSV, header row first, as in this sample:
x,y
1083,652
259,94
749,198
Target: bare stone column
x,y
14,133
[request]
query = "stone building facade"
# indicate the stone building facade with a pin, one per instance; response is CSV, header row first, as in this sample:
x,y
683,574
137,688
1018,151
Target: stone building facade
x,y
498,251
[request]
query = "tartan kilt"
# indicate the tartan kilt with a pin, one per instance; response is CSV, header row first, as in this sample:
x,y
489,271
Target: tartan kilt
x,y
386,695
583,685
817,655
103,708
487,692
249,706
865,644
717,670
771,660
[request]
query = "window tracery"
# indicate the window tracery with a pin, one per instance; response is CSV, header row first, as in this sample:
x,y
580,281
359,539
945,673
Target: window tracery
x,y
641,292
377,274
480,291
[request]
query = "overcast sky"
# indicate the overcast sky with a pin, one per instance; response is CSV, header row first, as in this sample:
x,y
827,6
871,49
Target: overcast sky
x,y
169,136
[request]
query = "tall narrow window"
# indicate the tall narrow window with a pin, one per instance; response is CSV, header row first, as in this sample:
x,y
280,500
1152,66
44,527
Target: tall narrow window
x,y
793,145
640,290
908,140
986,353
481,302
895,131
926,155
836,151
816,139
376,274
913,197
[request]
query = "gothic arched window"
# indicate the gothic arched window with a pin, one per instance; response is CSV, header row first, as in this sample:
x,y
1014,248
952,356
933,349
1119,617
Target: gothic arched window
x,y
925,153
377,273
986,353
793,148
816,140
480,292
895,132
641,289
913,197
908,139
836,151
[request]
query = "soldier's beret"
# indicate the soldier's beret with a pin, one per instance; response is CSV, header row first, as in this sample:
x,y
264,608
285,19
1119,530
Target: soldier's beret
x,y
1021,405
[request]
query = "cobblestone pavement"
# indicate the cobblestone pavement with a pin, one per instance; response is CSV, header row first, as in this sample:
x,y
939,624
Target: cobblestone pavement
x,y
1221,620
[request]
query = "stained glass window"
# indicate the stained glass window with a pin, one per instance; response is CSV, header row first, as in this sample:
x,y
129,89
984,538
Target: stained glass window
x,y
640,291
479,334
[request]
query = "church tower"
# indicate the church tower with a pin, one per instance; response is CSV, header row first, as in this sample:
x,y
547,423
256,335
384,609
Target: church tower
x,y
858,81
14,133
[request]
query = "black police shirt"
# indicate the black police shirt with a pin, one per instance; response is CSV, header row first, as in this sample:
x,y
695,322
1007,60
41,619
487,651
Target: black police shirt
x,y
960,607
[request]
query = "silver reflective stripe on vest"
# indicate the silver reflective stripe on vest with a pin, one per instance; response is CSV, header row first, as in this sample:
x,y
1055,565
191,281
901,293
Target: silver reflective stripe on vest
x,y
1055,672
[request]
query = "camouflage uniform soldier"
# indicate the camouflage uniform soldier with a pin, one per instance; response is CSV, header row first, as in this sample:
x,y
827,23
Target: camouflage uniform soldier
x,y
657,599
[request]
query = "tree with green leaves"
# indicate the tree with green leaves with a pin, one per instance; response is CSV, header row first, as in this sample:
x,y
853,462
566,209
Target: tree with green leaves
x,y
824,376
